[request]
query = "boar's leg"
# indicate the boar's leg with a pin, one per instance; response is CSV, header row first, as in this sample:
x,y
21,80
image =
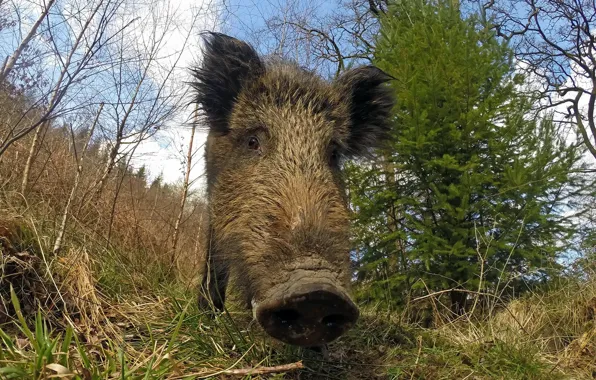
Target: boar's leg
x,y
215,281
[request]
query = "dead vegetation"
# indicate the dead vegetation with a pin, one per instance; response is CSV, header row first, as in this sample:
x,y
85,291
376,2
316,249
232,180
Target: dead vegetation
x,y
155,330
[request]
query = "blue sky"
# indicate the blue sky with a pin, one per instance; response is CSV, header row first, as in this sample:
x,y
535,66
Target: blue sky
x,y
246,16
165,152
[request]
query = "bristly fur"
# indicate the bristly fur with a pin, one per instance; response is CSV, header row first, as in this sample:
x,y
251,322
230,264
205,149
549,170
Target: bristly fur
x,y
228,64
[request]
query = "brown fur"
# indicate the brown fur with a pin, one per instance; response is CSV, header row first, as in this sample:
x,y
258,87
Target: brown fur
x,y
280,209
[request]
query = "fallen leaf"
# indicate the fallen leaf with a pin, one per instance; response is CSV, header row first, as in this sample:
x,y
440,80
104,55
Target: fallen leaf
x,y
59,369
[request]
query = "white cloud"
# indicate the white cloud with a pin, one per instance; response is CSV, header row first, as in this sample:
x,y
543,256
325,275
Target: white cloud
x,y
166,151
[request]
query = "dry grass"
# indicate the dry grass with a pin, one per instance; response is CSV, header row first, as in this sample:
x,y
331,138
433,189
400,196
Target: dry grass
x,y
557,326
160,334
93,312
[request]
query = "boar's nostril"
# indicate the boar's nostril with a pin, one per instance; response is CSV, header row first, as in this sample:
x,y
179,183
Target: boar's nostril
x,y
334,320
286,316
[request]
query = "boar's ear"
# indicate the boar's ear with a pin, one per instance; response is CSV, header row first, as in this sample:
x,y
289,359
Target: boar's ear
x,y
228,64
371,101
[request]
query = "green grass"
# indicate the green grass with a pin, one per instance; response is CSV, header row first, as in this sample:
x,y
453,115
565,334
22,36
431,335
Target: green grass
x,y
139,323
174,340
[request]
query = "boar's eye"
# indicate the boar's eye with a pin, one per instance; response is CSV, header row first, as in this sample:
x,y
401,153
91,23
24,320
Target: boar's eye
x,y
253,143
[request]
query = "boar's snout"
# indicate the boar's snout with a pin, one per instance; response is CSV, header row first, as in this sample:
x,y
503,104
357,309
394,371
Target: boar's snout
x,y
307,314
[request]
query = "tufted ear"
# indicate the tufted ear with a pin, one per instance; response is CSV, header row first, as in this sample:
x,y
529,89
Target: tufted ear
x,y
228,64
371,101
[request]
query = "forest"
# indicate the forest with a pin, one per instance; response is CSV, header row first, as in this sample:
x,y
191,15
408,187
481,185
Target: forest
x,y
473,228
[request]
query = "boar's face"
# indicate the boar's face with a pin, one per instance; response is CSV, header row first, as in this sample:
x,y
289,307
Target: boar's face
x,y
278,217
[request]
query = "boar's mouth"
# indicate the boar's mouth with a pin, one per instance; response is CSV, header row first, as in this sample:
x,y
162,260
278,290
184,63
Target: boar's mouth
x,y
306,313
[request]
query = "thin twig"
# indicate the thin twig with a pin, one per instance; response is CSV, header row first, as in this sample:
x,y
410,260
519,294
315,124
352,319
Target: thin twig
x,y
264,370
417,357
452,290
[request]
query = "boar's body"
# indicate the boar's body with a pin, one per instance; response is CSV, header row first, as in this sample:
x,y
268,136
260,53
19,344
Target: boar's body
x,y
278,216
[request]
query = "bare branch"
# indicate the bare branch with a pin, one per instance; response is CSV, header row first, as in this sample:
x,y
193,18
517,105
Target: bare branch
x,y
11,61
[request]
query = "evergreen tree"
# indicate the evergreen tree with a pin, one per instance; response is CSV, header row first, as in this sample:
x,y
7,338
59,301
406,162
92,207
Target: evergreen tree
x,y
157,182
470,189
142,173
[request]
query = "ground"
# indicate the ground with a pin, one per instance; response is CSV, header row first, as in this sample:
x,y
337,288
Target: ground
x,y
88,315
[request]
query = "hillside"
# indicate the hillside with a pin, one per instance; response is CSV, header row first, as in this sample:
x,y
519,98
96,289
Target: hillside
x,y
91,314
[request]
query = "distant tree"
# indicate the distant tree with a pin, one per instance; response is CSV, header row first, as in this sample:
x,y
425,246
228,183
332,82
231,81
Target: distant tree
x,y
79,156
142,173
75,60
10,61
185,188
470,194
324,36
157,182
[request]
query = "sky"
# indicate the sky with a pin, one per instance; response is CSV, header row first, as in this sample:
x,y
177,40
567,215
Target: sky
x,y
165,153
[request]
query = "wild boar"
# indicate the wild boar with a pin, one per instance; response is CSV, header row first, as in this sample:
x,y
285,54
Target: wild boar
x,y
278,218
